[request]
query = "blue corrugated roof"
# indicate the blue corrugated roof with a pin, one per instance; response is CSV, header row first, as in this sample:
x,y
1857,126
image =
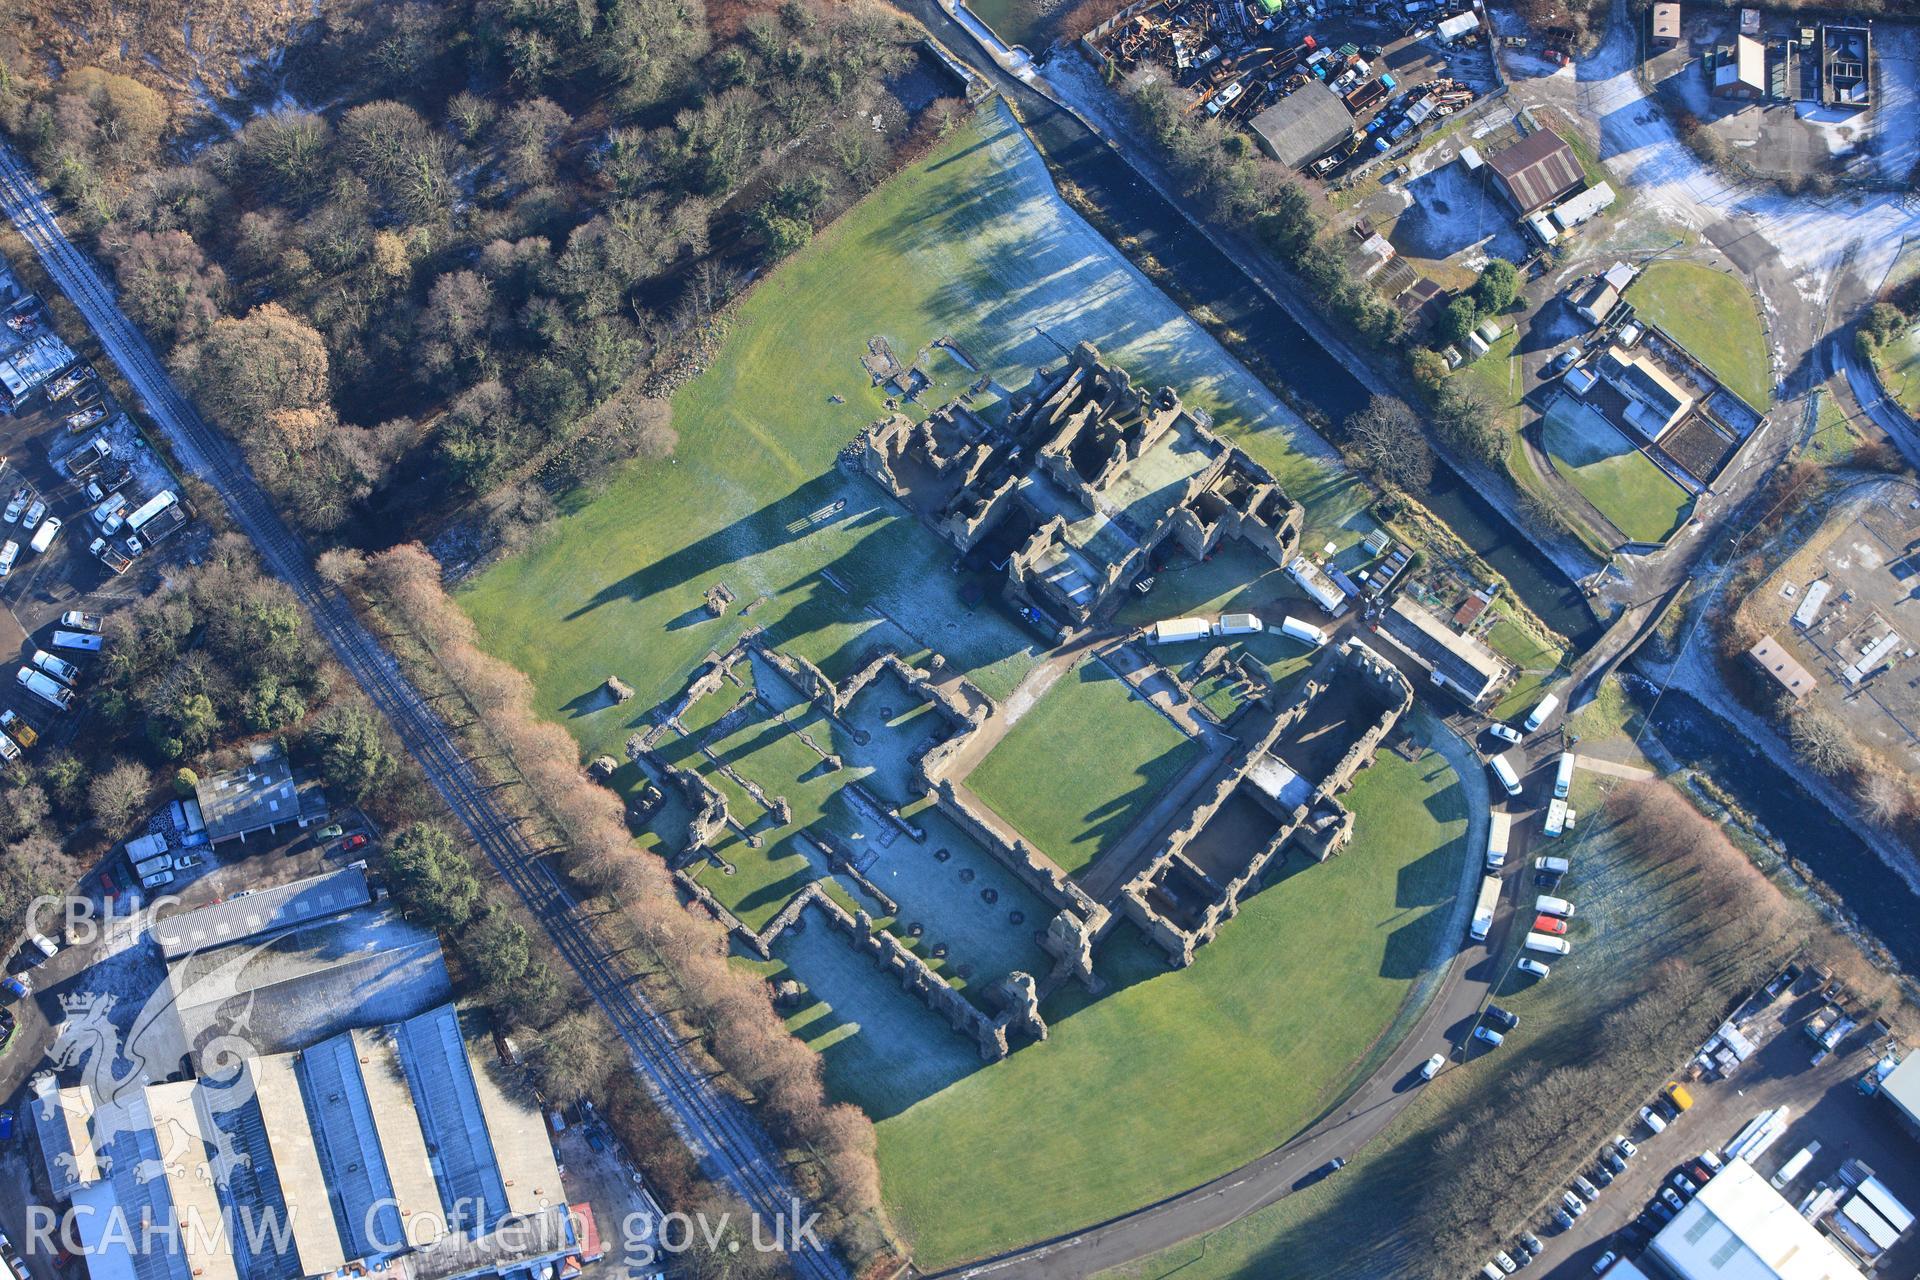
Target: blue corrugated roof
x,y
435,1059
250,1193
139,1187
349,1147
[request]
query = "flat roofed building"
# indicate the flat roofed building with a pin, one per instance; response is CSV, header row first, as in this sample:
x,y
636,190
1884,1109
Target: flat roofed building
x,y
264,796
63,1121
1457,662
1537,170
402,1142
1740,1228
528,1171
1781,667
1666,25
262,914
340,1115
296,1158
1302,125
451,1117
1902,1090
1846,67
184,1128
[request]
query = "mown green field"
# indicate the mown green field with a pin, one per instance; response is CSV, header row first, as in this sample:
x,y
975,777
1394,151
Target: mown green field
x,y
1622,483
1637,912
1080,765
1711,314
1173,1077
1133,1097
1899,363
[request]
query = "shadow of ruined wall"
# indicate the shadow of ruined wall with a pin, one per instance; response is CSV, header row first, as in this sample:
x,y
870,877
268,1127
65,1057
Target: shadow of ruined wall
x,y
1321,826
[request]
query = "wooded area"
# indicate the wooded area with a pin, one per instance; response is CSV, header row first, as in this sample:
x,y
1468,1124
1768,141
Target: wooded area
x,y
509,222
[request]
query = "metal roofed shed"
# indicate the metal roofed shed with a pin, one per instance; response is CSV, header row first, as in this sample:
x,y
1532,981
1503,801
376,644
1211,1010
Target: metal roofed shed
x,y
1456,26
265,912
409,1162
1902,1089
261,797
182,1122
1589,204
1458,662
434,1056
340,1116
296,1158
527,1168
1302,125
1781,667
1537,170
1739,1228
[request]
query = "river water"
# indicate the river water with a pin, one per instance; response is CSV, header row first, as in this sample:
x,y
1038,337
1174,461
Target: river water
x,y
1827,846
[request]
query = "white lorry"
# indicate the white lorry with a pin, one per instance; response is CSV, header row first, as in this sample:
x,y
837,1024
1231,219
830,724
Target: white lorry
x,y
1499,828
1483,909
45,687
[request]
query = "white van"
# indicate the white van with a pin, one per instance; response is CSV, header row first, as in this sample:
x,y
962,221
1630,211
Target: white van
x,y
44,535
1538,716
1498,831
159,880
1563,776
59,668
1547,904
8,554
1552,866
1304,632
1547,943
1503,770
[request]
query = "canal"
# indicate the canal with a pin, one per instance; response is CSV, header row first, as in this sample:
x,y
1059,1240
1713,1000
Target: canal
x,y
1882,900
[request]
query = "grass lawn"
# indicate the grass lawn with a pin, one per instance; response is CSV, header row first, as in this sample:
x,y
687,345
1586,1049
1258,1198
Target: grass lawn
x,y
1899,363
1622,482
1713,316
1074,771
1833,440
974,243
1172,1077
1539,661
1498,373
1636,912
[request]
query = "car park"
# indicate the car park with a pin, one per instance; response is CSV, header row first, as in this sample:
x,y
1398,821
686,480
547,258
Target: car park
x,y
1433,1065
1527,964
1489,1035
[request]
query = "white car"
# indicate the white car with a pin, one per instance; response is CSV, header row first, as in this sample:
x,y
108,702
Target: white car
x,y
1432,1068
1527,964
1607,1259
1505,732
33,515
1624,1147
8,554
21,497
47,532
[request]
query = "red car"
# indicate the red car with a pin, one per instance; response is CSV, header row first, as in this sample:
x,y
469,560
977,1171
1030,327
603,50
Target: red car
x,y
107,886
351,843
1549,924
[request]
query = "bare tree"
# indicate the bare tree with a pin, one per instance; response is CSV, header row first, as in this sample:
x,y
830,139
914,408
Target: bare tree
x,y
118,795
1391,445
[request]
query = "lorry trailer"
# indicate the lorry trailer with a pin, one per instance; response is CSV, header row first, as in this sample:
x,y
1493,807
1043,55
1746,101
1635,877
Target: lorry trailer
x,y
1483,909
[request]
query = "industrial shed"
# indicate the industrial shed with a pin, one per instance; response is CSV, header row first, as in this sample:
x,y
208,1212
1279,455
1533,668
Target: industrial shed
x,y
1457,662
1302,125
1536,171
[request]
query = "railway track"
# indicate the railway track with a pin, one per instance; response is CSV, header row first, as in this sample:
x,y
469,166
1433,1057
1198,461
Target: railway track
x,y
713,1124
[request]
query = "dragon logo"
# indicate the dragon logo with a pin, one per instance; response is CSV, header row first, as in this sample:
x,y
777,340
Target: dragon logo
x,y
116,1067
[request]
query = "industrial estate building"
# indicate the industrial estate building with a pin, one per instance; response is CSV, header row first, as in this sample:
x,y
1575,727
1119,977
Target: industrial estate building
x,y
354,1121
1739,1228
1536,171
265,796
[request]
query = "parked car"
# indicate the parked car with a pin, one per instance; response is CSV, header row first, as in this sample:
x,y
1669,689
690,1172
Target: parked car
x,y
1605,1260
1602,1176
1625,1148
1562,1219
32,516
1488,1034
75,620
1585,1188
6,1125
1433,1065
325,834
19,988
21,497
1505,1263
1505,1018
1573,1203
1611,1158
1549,924
1527,964
1504,732
352,842
1652,1119
1671,1199
1531,1243
1684,1185
1660,1210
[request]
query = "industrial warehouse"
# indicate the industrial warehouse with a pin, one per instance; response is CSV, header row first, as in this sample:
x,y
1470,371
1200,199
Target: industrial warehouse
x,y
379,1130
